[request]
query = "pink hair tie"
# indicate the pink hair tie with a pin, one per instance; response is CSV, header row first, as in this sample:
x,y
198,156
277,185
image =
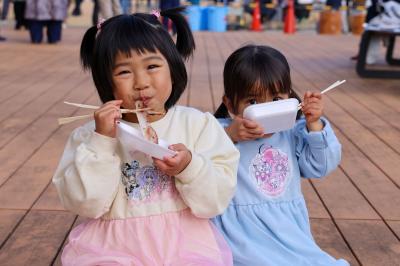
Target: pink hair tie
x,y
99,23
156,13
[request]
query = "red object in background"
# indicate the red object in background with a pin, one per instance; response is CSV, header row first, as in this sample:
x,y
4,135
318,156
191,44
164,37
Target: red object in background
x,y
290,19
256,25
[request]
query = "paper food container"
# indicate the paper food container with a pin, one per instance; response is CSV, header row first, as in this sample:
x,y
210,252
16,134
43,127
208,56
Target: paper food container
x,y
273,116
133,140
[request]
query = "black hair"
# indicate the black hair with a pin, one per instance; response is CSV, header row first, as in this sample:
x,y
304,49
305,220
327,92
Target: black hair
x,y
142,33
255,70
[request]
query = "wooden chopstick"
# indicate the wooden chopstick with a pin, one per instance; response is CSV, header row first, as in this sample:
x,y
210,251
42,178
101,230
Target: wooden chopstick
x,y
331,87
123,111
66,120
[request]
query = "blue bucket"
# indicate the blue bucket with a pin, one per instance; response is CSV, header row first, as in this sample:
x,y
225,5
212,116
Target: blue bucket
x,y
194,2
217,18
204,18
194,17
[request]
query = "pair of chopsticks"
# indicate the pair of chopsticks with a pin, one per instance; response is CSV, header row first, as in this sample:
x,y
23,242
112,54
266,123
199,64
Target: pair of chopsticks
x,y
331,87
66,120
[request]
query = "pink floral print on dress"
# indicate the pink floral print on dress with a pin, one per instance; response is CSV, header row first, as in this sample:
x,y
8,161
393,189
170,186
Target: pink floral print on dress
x,y
270,169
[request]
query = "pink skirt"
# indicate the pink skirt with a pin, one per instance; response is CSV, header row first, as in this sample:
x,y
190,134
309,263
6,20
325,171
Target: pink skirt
x,y
176,238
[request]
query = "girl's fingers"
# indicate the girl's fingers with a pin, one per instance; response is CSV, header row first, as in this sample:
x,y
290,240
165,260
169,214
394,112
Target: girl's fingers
x,y
312,106
307,95
316,95
250,124
313,100
177,147
256,131
171,161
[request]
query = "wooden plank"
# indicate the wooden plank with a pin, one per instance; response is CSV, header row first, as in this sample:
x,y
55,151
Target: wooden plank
x,y
371,181
15,103
342,198
215,70
314,205
32,138
14,123
395,226
9,219
39,168
329,239
37,238
372,242
199,92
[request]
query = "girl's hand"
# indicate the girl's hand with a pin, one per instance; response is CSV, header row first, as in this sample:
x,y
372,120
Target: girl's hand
x,y
174,165
106,117
312,109
242,129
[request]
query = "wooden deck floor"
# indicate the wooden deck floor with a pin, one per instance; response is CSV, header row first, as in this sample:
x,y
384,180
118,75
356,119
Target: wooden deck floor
x,y
355,212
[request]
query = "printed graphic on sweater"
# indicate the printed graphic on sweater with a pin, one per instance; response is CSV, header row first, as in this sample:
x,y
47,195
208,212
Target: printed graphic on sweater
x,y
147,183
270,170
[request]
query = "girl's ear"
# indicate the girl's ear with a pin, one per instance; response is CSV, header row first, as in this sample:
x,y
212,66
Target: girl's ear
x,y
228,104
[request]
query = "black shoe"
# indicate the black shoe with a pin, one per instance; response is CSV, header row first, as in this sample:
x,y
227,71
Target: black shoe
x,y
354,58
2,39
76,12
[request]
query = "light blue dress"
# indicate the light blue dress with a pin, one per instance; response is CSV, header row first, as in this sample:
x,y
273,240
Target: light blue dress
x,y
267,221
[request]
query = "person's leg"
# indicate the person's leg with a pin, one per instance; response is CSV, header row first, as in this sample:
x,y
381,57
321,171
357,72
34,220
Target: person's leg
x,y
116,7
19,12
77,9
125,6
36,30
54,28
105,9
4,12
95,14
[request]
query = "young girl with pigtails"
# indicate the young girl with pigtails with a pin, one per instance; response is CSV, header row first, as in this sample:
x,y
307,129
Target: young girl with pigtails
x,y
142,210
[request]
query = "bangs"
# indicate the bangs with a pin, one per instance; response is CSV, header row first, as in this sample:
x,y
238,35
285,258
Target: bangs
x,y
129,33
255,78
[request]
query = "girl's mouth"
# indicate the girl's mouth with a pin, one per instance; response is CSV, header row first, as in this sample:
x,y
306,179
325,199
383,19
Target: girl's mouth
x,y
146,101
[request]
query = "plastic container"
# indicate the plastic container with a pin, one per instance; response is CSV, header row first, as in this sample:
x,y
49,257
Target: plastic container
x,y
133,140
217,18
273,116
194,15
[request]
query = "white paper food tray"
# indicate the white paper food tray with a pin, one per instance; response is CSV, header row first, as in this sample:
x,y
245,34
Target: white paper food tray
x,y
273,116
132,139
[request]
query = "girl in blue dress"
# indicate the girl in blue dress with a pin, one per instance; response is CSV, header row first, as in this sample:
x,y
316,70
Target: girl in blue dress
x,y
267,221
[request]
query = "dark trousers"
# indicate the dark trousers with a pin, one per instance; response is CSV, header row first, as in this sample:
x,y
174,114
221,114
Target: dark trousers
x,y
19,11
54,28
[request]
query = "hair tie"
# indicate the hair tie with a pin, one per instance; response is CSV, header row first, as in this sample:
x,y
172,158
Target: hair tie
x,y
99,23
156,12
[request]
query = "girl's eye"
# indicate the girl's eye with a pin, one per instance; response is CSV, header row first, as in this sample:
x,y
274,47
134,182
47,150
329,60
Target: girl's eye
x,y
252,101
152,66
277,99
123,72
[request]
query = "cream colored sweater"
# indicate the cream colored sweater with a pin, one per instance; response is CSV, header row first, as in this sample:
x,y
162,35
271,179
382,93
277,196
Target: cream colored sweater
x,y
97,177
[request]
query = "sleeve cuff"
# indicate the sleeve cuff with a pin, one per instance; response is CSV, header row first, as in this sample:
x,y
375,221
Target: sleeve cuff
x,y
317,139
192,170
102,144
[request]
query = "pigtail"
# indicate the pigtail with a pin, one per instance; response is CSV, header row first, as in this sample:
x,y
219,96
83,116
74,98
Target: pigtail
x,y
87,47
185,41
222,111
